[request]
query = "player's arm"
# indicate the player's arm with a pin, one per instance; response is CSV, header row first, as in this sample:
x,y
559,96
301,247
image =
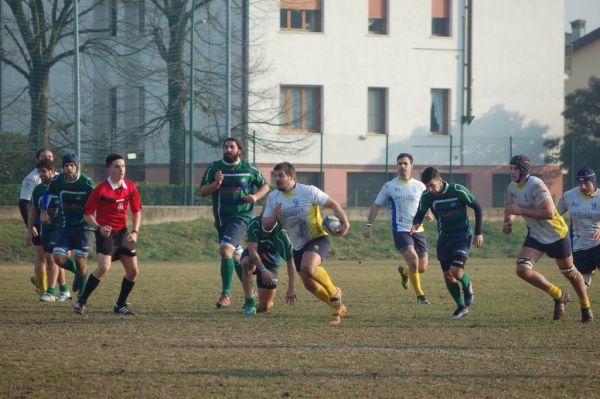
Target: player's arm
x,y
562,207
419,216
24,207
136,221
25,195
261,270
31,230
270,214
338,211
543,211
373,212
257,196
290,295
209,187
478,236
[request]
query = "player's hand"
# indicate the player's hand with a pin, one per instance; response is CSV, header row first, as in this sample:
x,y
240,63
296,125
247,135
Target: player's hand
x,y
478,240
596,235
219,176
278,209
367,231
290,296
513,209
105,230
250,198
507,228
414,228
132,237
266,277
34,231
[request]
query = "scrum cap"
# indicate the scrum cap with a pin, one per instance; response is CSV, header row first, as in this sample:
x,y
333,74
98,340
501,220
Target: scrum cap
x,y
523,163
69,158
586,174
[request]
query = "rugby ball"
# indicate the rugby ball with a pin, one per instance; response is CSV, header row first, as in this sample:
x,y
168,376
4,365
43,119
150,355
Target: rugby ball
x,y
332,224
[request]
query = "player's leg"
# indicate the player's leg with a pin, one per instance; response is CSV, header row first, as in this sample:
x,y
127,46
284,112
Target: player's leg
x,y
52,271
39,268
87,285
230,237
266,293
130,264
248,269
309,283
460,254
570,272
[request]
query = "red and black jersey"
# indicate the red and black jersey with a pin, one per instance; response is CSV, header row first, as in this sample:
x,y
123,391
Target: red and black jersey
x,y
110,202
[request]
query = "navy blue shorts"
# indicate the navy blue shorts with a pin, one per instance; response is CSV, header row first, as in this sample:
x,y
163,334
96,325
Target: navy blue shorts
x,y
587,260
560,249
319,245
232,233
453,251
48,241
404,239
77,240
274,274
37,240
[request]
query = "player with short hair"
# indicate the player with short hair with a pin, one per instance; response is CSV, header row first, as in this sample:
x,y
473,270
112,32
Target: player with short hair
x,y
43,235
297,207
30,182
235,186
403,193
547,233
106,211
72,189
265,251
448,202
583,204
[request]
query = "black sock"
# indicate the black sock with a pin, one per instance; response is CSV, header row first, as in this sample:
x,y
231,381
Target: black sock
x,y
90,286
126,287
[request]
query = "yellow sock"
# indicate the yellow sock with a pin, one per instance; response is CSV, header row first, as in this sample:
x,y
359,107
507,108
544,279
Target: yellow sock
x,y
585,302
42,281
322,277
415,280
554,291
322,294
404,271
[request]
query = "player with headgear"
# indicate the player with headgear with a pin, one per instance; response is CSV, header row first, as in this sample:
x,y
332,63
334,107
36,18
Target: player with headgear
x,y
547,233
583,204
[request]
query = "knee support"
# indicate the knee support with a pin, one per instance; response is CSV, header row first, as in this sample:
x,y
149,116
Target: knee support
x,y
525,262
570,273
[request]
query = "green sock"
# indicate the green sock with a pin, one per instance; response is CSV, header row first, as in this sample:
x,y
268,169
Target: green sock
x,y
51,290
226,275
250,302
64,288
464,280
238,269
81,280
454,289
70,265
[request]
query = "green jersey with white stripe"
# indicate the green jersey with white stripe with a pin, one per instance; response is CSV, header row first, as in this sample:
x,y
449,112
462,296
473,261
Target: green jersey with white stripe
x,y
240,180
273,246
449,208
72,196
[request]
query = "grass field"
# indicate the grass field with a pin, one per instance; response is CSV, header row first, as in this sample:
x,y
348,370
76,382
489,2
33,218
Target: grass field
x,y
180,345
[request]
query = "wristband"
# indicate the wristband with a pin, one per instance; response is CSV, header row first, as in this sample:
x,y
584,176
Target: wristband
x,y
261,269
369,223
135,231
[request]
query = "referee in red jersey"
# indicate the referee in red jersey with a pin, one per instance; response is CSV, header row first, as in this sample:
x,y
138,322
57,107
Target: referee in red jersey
x,y
106,209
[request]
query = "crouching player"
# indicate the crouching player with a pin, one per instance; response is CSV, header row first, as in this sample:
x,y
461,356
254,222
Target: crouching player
x,y
266,249
109,202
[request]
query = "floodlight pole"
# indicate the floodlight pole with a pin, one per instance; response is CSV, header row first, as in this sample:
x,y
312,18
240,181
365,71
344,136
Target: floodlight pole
x,y
191,116
77,104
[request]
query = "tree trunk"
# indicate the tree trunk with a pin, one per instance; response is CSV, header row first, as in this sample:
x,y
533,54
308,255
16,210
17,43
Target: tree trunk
x,y
175,116
39,92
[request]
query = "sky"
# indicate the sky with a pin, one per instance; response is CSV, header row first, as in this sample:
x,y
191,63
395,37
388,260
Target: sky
x,y
589,10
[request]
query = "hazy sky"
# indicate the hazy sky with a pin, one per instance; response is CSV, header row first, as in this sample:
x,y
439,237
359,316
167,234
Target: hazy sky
x,y
582,9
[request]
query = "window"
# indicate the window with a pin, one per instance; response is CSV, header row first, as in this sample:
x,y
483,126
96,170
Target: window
x,y
440,17
301,15
362,187
378,10
113,18
500,182
301,108
377,110
439,111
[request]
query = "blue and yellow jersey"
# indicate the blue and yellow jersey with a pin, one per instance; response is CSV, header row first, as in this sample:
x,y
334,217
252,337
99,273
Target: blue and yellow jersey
x,y
584,212
403,197
300,214
530,195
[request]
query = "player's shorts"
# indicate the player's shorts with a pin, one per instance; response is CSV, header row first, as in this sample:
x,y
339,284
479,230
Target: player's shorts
x,y
37,240
77,240
453,251
274,274
115,244
403,240
319,245
587,260
560,249
48,241
232,233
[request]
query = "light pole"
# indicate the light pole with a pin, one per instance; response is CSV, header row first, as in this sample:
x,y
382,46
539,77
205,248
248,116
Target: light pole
x,y
77,104
191,116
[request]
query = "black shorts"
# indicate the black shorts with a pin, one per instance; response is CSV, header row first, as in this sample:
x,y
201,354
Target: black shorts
x,y
48,239
587,260
115,244
404,239
453,251
319,245
560,249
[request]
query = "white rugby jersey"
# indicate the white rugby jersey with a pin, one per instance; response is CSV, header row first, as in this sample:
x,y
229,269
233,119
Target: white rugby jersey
x,y
300,213
30,182
404,196
529,195
585,217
